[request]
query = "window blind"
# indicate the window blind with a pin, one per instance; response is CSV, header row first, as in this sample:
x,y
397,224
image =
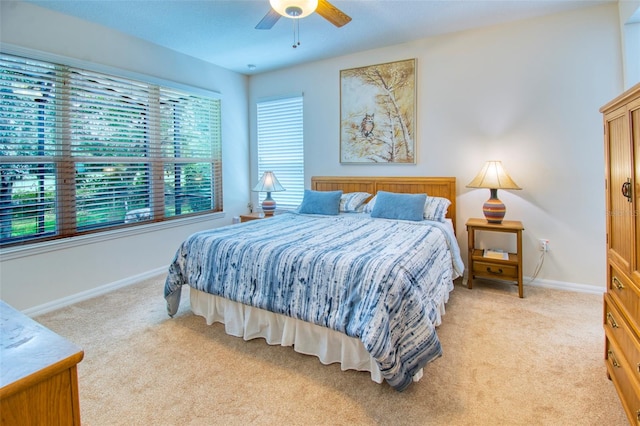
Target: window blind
x,y
281,147
82,151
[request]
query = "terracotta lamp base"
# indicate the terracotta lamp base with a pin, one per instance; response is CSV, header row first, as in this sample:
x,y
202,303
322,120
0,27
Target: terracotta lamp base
x,y
268,205
493,209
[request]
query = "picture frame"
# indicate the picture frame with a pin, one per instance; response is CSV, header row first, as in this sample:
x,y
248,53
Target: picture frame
x,y
378,114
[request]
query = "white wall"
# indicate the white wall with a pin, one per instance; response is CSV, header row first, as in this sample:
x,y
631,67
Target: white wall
x,y
526,93
33,281
629,12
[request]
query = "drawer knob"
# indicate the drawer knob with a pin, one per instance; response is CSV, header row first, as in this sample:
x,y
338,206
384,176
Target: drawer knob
x,y
617,283
611,320
614,361
491,271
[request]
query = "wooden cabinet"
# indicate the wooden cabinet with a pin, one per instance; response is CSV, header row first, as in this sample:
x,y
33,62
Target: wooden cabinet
x,y
38,378
509,269
621,317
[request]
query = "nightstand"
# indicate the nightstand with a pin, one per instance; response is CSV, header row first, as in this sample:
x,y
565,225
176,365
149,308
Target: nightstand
x,y
252,216
509,269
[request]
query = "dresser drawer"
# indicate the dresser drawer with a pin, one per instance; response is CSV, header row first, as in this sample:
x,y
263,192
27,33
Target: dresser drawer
x,y
627,295
495,270
616,328
627,387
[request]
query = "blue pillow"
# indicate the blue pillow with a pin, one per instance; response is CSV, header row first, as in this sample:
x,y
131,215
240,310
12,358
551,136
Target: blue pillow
x,y
320,202
390,205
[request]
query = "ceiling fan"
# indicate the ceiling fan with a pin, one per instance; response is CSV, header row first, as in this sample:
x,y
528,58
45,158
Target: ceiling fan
x,y
297,9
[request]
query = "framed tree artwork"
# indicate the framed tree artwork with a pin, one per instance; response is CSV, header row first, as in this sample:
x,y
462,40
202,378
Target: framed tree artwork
x,y
378,113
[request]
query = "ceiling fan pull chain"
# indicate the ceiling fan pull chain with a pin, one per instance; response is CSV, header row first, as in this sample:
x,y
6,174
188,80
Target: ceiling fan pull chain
x,y
296,33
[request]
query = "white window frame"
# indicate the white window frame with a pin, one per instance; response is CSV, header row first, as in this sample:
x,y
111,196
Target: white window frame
x,y
41,56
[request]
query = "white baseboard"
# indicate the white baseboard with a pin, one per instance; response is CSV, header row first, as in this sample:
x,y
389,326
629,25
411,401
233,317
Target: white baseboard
x,y
558,285
88,294
566,286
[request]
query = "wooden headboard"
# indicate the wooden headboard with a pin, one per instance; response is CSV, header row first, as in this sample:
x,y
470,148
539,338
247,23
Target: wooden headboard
x,y
434,186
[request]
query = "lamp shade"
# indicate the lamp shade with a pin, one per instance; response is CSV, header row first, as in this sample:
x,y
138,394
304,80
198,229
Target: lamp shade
x,y
294,8
268,183
494,177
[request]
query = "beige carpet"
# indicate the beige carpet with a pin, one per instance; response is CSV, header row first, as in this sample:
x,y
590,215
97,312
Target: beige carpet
x,y
507,361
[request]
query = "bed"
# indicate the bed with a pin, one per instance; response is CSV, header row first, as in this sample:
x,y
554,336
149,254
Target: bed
x,y
355,288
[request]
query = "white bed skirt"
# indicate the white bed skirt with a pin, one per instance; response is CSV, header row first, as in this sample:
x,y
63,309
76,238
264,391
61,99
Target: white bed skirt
x,y
249,323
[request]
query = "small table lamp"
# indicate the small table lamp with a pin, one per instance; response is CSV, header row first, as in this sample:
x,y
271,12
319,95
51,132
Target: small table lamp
x,y
494,177
268,183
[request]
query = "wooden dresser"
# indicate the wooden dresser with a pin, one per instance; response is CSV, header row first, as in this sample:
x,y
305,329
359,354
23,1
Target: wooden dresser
x,y
38,378
622,301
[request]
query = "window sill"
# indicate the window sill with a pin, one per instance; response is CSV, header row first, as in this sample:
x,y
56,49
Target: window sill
x,y
12,253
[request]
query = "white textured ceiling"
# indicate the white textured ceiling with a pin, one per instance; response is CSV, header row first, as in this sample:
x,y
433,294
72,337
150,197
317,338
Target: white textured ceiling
x,y
223,32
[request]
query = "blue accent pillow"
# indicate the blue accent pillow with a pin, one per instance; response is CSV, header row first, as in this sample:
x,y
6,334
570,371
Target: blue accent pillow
x,y
320,202
390,205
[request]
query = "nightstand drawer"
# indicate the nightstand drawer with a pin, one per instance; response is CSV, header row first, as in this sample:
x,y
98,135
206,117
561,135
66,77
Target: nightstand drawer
x,y
495,270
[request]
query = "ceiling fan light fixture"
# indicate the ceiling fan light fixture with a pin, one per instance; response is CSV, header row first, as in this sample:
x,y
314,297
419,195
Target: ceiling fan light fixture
x,y
295,9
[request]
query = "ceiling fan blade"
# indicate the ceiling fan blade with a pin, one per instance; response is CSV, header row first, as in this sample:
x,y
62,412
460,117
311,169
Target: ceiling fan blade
x,y
268,21
332,13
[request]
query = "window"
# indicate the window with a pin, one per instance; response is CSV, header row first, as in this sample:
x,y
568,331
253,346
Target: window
x,y
280,147
82,151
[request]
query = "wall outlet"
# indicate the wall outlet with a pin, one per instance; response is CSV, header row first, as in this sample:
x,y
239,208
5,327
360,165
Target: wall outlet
x,y
543,244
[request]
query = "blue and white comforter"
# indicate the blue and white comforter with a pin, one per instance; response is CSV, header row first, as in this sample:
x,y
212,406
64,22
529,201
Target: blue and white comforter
x,y
378,280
